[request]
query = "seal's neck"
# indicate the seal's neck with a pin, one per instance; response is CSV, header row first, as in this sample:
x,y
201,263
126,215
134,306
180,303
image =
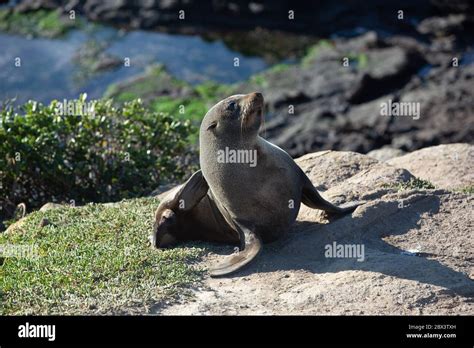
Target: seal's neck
x,y
236,141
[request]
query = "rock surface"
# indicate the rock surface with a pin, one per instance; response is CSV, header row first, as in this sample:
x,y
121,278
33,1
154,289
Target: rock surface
x,y
418,249
446,166
385,153
331,16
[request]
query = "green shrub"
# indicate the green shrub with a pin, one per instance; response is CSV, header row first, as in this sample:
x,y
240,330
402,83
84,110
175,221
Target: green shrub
x,y
104,155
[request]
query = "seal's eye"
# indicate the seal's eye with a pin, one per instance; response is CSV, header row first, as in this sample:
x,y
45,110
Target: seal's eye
x,y
231,106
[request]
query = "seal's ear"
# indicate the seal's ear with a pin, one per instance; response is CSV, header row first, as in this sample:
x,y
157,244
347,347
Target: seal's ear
x,y
212,125
250,247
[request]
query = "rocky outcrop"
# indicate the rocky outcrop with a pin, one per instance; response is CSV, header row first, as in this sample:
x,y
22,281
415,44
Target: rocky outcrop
x,y
424,58
323,104
449,167
385,153
323,18
417,256
244,14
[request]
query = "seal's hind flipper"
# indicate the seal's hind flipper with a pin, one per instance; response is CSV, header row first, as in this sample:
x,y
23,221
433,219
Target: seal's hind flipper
x,y
311,198
187,195
191,192
182,198
250,247
350,207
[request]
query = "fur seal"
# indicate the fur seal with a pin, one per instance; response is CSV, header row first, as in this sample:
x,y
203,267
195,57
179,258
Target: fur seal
x,y
248,190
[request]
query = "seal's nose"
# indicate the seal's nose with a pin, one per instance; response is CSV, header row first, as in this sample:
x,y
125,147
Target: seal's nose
x,y
256,98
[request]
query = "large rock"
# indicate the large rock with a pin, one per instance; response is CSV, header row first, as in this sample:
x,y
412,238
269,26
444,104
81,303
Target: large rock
x,y
244,14
348,177
417,259
385,153
446,109
324,105
456,24
446,166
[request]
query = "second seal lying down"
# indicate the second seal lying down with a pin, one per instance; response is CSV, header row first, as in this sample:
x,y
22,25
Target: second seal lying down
x,y
248,190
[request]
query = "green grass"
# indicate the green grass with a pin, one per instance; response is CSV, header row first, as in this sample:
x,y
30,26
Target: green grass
x,y
314,51
192,109
414,184
277,68
361,60
185,108
468,190
261,79
40,23
192,105
212,91
93,259
152,82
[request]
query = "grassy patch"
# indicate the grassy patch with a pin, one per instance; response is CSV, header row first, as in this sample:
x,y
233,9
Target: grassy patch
x,y
279,68
314,51
154,87
213,91
92,259
414,184
187,103
41,23
194,107
468,190
154,82
185,108
361,60
261,79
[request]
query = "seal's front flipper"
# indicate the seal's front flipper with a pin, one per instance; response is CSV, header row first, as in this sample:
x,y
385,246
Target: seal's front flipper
x,y
312,198
250,247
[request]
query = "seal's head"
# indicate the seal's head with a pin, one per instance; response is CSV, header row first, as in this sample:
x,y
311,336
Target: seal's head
x,y
164,229
239,115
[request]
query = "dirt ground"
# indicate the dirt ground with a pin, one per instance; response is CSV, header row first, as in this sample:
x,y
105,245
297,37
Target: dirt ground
x,y
417,245
292,276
